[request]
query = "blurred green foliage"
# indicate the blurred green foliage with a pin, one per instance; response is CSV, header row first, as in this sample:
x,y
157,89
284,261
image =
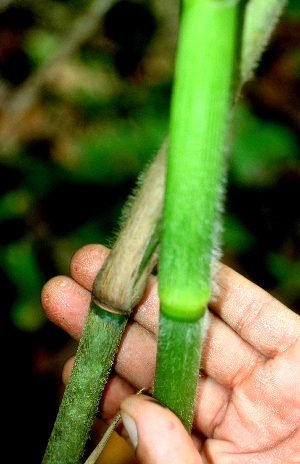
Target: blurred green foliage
x,y
261,149
261,227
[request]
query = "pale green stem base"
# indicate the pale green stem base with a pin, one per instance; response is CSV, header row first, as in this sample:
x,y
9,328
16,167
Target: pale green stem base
x,y
177,368
98,345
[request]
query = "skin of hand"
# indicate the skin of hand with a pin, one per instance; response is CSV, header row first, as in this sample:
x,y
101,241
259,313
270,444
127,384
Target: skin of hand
x,y
247,408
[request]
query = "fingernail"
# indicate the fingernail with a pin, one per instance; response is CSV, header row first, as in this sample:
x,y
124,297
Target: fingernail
x,y
130,426
155,401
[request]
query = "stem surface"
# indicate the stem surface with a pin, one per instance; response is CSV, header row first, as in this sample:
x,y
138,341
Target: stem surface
x,y
94,358
198,121
199,113
184,339
118,287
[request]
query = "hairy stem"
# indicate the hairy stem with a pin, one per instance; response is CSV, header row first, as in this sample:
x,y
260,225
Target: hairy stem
x,y
197,135
101,445
122,279
199,113
118,287
177,365
211,34
101,336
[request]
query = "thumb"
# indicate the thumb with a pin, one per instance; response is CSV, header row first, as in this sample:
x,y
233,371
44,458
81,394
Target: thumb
x,y
156,433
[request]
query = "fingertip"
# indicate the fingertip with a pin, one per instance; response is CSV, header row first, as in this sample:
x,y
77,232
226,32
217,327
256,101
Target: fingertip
x,y
67,370
65,303
130,427
49,294
86,263
156,433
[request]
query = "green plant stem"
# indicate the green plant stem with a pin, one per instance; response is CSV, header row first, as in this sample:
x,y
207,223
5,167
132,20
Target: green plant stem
x,y
199,114
184,339
88,377
199,139
118,287
102,443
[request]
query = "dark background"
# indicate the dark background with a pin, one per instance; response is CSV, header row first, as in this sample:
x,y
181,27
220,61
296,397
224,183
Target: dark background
x,y
73,139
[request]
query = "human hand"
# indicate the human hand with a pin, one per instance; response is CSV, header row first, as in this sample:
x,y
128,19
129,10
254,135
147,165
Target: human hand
x,y
248,397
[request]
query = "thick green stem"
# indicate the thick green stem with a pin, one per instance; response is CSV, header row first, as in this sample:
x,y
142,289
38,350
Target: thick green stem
x,y
199,114
84,389
178,358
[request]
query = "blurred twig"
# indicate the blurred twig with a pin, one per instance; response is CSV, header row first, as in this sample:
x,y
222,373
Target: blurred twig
x,y
5,4
25,97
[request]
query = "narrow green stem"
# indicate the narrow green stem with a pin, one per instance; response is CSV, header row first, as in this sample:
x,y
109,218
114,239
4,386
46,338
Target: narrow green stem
x,y
199,113
95,355
117,288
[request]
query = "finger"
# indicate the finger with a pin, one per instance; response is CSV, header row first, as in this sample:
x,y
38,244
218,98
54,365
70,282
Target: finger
x,y
135,360
66,304
238,357
256,316
226,357
86,263
211,404
156,433
84,266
